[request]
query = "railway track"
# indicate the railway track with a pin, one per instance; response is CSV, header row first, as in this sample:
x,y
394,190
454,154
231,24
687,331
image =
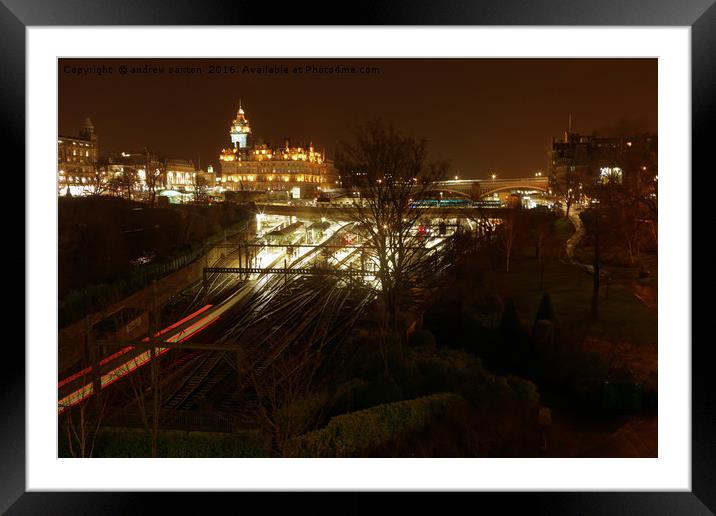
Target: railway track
x,y
275,299
267,314
253,309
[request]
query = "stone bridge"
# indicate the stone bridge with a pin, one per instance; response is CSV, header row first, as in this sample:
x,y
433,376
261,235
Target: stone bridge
x,y
476,189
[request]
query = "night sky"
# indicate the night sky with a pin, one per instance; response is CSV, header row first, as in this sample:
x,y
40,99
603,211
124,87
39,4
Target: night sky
x,y
483,115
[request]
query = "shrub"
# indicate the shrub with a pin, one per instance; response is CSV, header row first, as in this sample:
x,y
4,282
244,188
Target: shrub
x,y
462,373
301,415
449,371
543,333
622,396
133,442
513,349
523,389
445,322
422,338
545,312
366,362
357,433
510,323
358,394
493,303
381,390
345,396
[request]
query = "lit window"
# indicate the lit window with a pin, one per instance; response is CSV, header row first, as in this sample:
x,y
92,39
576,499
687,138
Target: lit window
x,y
610,174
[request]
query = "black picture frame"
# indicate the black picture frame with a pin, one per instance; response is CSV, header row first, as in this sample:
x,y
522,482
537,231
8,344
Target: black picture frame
x,y
700,15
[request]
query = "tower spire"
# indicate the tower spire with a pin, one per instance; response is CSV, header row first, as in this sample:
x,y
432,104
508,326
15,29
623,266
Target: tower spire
x,y
240,129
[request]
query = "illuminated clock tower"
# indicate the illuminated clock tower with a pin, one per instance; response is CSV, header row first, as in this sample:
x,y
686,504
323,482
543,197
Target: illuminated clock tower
x,y
240,130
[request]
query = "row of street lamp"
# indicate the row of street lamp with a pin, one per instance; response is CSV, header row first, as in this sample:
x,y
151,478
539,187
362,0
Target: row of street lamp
x,y
493,176
537,174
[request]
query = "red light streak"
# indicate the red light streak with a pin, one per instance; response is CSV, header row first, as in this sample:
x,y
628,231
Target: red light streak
x,y
122,351
138,361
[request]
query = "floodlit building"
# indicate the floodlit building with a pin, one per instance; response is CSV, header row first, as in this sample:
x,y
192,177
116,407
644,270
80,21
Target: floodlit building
x,y
76,159
135,171
576,158
136,163
300,170
179,174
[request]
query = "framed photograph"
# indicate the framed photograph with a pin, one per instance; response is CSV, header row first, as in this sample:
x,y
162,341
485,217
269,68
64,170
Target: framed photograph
x,y
417,253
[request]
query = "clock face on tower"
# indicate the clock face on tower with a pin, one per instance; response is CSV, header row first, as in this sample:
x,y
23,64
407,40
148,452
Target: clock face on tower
x,y
240,130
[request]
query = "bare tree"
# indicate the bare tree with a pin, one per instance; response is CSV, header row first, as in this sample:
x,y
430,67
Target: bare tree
x,y
283,369
629,210
645,200
99,182
648,192
152,178
114,186
542,221
287,367
393,174
596,267
153,184
83,423
125,182
200,185
632,227
484,228
603,195
143,382
508,232
289,404
567,186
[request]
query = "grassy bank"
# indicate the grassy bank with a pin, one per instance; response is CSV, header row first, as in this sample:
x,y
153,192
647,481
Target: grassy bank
x,y
622,316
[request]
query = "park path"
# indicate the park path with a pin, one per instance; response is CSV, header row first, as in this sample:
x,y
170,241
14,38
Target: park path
x,y
572,242
644,294
576,237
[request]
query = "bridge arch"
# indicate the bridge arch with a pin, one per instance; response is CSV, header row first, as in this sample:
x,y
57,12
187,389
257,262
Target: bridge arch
x,y
434,193
502,188
479,188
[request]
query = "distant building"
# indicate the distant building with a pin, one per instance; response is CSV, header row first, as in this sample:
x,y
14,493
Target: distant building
x,y
300,170
77,157
580,159
81,171
135,171
179,174
136,161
